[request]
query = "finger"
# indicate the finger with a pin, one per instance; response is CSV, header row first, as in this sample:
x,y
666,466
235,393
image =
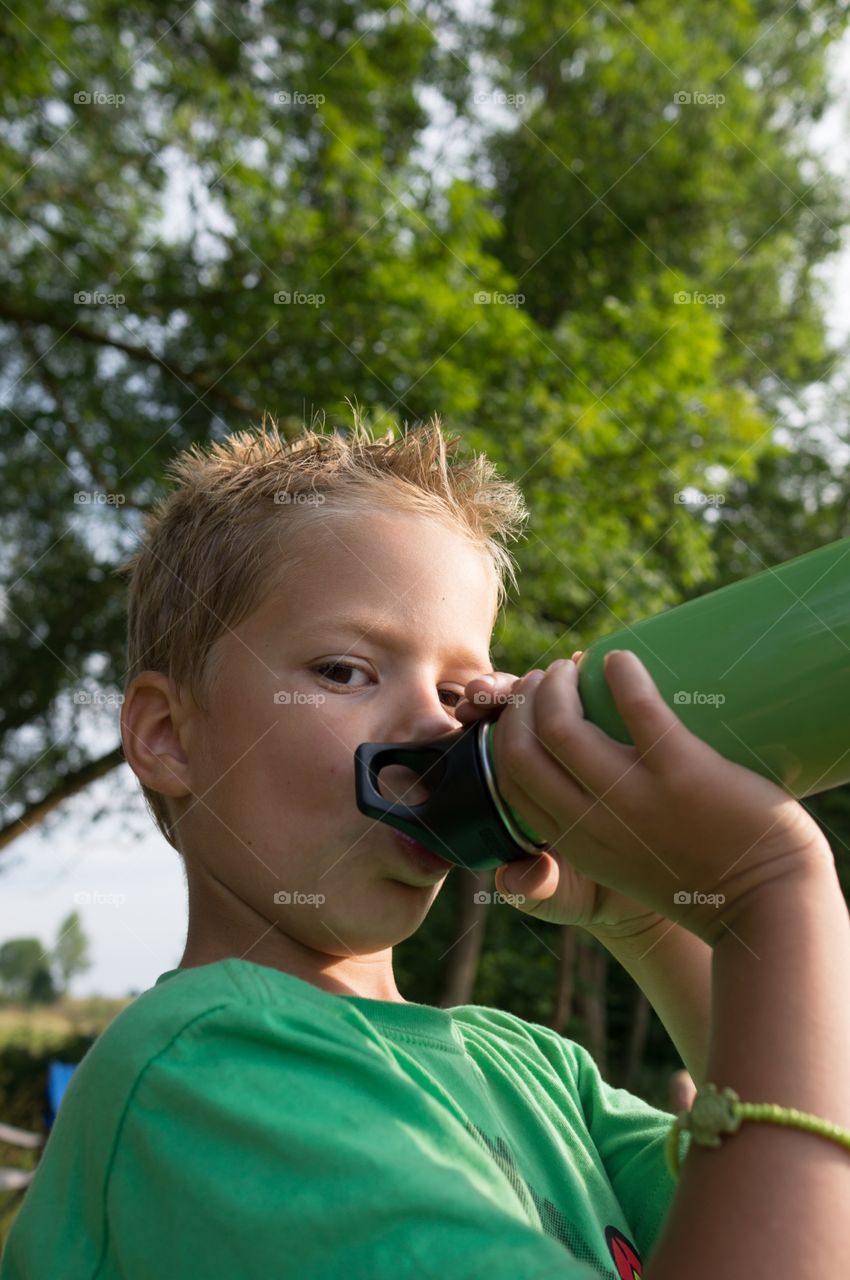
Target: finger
x,y
492,684
540,821
485,694
595,760
654,727
526,771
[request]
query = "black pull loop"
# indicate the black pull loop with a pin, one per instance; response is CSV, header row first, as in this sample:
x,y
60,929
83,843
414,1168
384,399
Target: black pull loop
x,y
459,820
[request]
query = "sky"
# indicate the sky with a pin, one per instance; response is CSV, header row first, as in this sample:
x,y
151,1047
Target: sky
x,y
121,876
831,137
129,890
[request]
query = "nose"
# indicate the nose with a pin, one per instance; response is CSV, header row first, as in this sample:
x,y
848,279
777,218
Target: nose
x,y
425,720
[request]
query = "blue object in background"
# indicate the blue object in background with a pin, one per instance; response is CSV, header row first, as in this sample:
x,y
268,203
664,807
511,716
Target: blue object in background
x,y
58,1076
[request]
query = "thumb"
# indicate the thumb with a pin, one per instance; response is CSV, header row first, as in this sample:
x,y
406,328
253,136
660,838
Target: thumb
x,y
535,877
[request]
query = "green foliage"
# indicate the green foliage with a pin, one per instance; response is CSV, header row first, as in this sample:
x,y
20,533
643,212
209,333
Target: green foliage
x,y
26,966
70,953
42,989
24,971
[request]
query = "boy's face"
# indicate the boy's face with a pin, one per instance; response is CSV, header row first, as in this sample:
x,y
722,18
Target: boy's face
x,y
271,765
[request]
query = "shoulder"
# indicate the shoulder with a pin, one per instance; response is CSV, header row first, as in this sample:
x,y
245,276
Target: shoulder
x,y
527,1041
192,1013
542,1056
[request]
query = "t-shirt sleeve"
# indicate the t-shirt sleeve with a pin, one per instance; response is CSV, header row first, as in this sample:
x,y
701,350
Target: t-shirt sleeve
x,y
629,1135
258,1144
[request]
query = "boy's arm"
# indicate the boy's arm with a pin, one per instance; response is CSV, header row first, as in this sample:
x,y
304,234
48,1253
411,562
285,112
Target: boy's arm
x,y
672,967
772,1200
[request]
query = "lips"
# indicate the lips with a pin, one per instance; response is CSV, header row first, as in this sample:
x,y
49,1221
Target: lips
x,y
423,855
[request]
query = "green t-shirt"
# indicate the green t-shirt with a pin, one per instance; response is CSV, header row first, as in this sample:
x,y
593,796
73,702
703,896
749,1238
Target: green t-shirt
x,y
238,1123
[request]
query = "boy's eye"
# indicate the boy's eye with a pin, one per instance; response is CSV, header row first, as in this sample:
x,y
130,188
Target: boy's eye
x,y
345,667
339,666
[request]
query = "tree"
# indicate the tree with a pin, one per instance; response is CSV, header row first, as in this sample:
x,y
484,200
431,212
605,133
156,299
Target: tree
x,y
70,952
42,989
596,385
527,292
22,966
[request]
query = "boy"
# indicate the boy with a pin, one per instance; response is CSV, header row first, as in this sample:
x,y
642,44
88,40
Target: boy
x,y
274,1106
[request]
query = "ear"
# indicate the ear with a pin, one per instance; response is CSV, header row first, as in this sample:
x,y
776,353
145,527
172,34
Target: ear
x,y
154,733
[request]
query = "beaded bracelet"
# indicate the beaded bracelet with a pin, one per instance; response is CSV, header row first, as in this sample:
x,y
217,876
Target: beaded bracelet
x,y
713,1113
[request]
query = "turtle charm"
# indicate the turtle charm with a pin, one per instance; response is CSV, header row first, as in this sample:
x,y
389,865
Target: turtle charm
x,y
711,1114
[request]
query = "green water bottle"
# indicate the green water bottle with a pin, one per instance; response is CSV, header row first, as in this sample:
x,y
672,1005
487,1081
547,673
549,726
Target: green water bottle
x,y
759,669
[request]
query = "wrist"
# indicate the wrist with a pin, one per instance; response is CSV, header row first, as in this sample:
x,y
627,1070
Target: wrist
x,y
802,875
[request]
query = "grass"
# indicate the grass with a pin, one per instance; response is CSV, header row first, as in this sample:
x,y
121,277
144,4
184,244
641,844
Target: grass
x,y
42,1026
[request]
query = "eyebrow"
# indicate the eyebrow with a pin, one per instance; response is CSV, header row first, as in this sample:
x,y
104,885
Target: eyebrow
x,y
388,638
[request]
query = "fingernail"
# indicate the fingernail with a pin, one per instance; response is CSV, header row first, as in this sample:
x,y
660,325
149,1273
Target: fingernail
x,y
489,681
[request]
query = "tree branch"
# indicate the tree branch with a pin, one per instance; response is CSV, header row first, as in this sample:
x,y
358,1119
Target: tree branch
x,y
208,384
71,425
69,785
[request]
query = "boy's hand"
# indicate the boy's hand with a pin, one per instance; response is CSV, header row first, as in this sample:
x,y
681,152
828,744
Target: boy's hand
x,y
534,880
484,695
491,692
667,815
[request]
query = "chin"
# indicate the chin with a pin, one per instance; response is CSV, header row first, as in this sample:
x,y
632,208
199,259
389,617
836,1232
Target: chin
x,y
398,919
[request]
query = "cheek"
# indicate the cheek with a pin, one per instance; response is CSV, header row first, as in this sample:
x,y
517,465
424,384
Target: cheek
x,y
290,760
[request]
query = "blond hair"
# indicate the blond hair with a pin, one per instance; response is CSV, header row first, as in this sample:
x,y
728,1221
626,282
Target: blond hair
x,y
213,547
